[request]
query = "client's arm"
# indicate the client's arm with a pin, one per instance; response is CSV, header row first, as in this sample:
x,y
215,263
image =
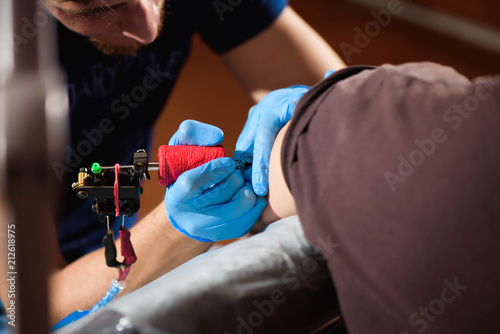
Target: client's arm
x,y
281,202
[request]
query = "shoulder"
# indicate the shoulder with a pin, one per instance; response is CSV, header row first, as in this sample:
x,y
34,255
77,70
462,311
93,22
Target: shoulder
x,y
225,24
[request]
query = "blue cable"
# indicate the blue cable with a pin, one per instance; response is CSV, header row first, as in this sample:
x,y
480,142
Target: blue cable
x,y
115,288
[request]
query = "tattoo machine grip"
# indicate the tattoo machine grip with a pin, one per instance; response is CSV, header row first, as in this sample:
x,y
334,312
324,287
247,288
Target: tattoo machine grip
x,y
173,160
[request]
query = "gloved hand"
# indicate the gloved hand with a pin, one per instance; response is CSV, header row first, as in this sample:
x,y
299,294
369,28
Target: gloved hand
x,y
264,122
192,132
211,202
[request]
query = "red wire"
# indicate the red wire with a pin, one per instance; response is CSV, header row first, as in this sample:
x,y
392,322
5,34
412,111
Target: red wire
x,y
117,202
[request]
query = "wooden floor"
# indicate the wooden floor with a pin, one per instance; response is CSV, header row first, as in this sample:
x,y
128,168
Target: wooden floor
x,y
206,91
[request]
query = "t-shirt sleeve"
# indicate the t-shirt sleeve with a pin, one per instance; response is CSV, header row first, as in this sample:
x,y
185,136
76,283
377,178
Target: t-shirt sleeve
x,y
226,24
305,112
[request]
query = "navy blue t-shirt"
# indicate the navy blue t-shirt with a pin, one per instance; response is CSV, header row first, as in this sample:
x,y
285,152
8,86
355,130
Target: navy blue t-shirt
x,y
114,101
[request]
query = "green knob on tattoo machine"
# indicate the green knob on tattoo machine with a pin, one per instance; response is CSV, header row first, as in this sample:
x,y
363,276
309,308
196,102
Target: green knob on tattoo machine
x,y
96,168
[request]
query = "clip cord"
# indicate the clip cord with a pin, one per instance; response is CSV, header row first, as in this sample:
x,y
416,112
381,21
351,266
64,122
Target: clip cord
x,y
108,241
126,248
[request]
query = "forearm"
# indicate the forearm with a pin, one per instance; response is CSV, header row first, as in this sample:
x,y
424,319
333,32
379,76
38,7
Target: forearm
x,y
159,249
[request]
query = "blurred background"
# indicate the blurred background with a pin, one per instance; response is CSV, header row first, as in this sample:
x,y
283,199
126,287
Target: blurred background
x,y
461,34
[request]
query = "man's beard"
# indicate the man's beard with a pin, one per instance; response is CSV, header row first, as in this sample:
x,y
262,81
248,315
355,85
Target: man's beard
x,y
129,50
109,49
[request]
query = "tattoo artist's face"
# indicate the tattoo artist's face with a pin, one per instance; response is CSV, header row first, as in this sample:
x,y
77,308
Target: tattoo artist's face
x,y
119,27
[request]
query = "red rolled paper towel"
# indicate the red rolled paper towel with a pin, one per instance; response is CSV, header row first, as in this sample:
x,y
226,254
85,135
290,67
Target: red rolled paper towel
x,y
173,160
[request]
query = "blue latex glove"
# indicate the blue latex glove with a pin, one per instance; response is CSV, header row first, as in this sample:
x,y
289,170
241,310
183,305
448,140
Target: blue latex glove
x,y
192,132
211,202
328,73
264,122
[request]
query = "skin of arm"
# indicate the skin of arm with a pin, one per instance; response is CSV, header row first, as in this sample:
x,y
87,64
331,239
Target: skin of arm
x,y
281,202
288,52
159,249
